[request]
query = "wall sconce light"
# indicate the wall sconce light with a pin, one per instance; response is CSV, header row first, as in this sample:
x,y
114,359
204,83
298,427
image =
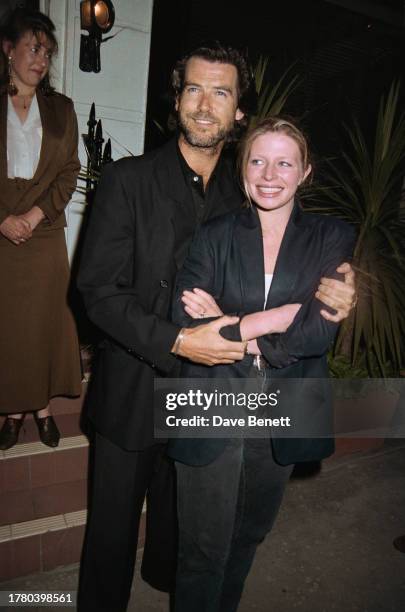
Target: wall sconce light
x,y
97,17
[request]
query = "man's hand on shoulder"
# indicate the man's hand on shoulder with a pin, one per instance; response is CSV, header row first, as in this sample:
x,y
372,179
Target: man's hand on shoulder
x,y
340,295
204,344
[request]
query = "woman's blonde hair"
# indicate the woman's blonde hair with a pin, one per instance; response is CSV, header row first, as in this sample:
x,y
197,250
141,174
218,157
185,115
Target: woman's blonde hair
x,y
273,125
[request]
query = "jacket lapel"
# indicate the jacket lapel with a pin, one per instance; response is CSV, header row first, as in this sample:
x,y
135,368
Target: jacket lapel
x,y
3,134
289,261
50,126
169,176
249,251
226,195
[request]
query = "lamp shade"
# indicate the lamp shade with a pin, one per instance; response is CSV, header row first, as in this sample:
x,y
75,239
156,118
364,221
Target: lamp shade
x,y
99,14
85,15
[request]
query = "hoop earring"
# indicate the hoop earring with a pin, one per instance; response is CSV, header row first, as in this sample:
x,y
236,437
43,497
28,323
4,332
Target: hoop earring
x,y
11,88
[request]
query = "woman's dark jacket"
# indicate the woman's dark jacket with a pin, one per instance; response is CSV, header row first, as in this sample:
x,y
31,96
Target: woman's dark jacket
x,y
226,259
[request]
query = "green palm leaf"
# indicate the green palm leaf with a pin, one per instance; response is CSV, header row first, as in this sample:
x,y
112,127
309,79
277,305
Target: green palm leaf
x,y
271,98
365,190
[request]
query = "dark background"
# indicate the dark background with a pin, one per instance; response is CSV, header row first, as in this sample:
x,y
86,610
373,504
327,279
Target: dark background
x,y
345,57
345,52
6,5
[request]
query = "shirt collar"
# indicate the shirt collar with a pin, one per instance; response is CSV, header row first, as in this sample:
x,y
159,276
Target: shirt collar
x,y
189,174
33,118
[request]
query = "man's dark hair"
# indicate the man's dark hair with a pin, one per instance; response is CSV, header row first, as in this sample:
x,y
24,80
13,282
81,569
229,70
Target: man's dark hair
x,y
216,52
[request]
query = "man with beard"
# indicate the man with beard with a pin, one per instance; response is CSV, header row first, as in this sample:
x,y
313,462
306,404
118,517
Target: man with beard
x,y
144,216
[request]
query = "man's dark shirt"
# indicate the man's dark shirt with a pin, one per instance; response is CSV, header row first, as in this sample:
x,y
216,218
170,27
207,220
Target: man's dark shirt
x,y
201,206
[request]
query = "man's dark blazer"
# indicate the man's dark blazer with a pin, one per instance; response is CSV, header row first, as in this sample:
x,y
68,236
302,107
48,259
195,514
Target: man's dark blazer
x,y
127,276
226,259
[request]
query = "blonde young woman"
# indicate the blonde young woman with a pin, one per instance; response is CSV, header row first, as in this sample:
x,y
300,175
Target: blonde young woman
x,y
38,168
266,263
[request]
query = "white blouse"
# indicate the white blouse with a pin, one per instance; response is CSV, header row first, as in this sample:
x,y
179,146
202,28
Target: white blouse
x,y
24,141
268,278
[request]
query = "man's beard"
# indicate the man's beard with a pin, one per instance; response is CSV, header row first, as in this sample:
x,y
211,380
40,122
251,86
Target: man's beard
x,y
201,140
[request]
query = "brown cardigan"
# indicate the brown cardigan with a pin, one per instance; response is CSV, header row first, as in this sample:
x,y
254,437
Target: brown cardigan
x,y
55,178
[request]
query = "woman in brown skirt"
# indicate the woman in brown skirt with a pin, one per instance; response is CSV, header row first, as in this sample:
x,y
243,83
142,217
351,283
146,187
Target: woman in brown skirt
x,y
39,350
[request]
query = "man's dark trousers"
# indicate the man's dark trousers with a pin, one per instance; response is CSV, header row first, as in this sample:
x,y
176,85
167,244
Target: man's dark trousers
x,y
119,476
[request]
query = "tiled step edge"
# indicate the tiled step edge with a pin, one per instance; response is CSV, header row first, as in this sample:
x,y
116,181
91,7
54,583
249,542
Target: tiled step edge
x,y
40,526
37,448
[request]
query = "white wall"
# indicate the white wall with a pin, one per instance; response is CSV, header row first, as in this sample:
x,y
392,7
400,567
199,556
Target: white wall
x,y
119,90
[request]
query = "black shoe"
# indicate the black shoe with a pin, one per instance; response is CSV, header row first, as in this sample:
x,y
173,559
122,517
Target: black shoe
x,y
48,431
9,432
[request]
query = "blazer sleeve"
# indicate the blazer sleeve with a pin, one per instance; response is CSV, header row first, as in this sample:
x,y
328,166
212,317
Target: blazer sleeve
x,y
310,335
105,277
4,209
58,193
197,271
4,213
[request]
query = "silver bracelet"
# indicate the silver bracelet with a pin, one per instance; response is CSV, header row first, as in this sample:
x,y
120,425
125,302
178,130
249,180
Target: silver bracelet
x,y
179,341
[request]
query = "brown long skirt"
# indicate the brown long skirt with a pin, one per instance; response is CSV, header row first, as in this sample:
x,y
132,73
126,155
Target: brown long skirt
x,y
39,351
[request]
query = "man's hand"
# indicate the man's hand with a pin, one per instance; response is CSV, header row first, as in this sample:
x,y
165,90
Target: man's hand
x,y
205,345
16,229
199,304
253,348
338,294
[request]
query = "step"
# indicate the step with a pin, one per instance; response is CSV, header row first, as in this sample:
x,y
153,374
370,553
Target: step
x,y
43,506
44,544
41,544
37,481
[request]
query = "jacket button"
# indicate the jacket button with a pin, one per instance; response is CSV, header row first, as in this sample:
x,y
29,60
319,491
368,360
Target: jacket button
x,y
164,284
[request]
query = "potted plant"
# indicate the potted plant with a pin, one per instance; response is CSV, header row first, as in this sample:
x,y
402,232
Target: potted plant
x,y
366,190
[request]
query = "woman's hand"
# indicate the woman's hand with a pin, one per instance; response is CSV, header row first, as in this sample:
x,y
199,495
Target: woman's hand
x,y
16,229
33,217
275,320
199,304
